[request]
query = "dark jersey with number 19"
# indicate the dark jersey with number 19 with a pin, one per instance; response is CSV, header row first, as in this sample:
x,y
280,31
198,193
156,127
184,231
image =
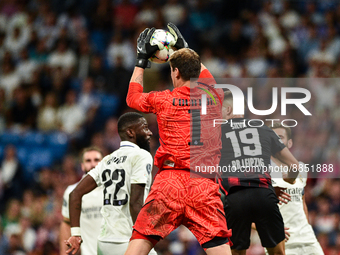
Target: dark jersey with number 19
x,y
246,152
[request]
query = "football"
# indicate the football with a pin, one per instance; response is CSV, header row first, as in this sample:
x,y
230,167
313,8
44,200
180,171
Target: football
x,y
165,37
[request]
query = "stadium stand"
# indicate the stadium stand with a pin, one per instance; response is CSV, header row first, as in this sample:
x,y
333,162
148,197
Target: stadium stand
x,y
68,41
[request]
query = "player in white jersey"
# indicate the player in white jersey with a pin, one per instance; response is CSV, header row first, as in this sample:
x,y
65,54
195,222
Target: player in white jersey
x,y
126,177
90,218
302,239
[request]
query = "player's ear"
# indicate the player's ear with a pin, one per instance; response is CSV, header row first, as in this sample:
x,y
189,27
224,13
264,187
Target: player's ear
x,y
224,112
289,143
229,110
177,73
130,133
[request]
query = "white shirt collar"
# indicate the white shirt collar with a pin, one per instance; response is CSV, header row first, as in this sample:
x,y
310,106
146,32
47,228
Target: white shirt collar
x,y
128,144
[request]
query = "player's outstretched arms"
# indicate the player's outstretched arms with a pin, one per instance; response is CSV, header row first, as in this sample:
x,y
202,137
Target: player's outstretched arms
x,y
85,186
286,157
144,51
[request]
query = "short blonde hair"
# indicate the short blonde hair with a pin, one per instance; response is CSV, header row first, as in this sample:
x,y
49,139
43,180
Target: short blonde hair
x,y
279,125
87,149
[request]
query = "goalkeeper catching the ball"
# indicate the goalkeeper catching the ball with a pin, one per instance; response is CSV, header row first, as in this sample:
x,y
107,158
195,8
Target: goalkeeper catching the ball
x,y
176,197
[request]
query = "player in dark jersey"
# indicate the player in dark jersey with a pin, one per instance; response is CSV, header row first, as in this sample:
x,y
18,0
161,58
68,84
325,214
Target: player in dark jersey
x,y
176,198
250,196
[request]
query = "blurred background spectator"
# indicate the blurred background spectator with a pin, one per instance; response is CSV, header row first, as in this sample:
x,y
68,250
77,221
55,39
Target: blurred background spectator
x,y
64,73
12,176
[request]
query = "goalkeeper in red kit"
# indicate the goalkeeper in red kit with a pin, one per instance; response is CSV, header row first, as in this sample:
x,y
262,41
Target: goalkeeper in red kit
x,y
176,197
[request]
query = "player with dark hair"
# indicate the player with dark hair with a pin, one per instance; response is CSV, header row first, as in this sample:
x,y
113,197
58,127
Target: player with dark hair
x,y
124,121
91,204
250,196
125,176
176,198
302,239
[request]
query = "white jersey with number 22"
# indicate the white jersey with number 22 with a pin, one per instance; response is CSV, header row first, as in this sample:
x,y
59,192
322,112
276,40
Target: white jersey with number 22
x,y
116,172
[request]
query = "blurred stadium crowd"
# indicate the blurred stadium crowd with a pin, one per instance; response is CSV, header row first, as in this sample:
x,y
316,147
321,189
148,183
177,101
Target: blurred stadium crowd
x,y
64,73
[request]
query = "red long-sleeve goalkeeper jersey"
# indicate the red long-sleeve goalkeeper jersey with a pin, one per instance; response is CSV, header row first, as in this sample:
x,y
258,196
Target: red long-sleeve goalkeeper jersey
x,y
187,137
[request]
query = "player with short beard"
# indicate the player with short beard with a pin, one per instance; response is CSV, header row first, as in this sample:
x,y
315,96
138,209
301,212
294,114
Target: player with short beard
x,y
92,203
126,177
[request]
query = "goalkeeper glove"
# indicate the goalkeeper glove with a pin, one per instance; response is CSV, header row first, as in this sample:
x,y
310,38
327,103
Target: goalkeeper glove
x,y
144,49
179,39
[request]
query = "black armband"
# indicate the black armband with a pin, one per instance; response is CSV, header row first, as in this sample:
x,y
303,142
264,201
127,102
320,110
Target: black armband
x,y
143,63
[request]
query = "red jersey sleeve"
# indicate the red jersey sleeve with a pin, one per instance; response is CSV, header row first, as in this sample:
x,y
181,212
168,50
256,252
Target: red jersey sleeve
x,y
205,74
138,100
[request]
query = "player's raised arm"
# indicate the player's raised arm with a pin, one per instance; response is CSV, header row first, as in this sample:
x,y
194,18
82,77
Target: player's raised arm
x,y
144,51
85,186
144,48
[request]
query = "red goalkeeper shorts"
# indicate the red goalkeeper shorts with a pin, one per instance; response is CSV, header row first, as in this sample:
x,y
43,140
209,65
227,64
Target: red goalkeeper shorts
x,y
177,199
